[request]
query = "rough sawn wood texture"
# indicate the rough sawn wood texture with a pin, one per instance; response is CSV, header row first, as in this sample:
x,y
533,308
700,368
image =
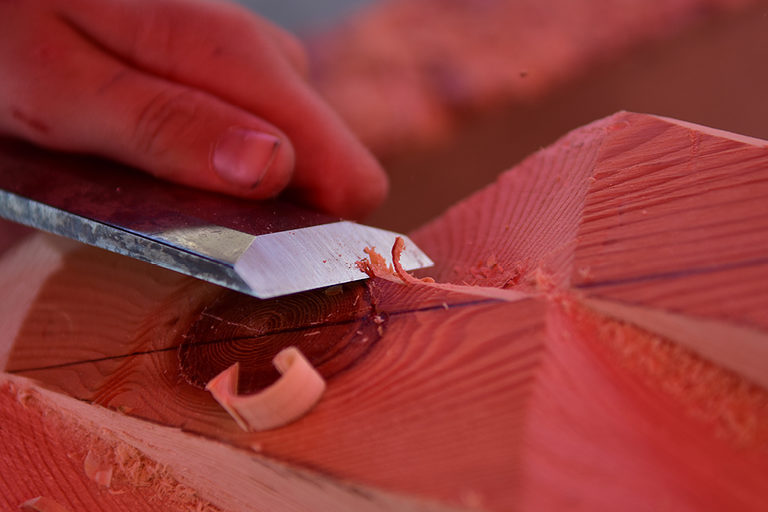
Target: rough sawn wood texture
x,y
602,346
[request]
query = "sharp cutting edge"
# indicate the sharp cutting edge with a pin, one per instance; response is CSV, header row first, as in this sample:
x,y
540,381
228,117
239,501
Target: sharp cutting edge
x,y
264,249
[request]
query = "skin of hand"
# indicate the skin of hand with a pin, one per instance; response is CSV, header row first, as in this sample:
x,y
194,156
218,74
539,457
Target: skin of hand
x,y
200,92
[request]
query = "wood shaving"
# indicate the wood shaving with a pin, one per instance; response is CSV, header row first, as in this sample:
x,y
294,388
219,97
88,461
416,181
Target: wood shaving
x,y
376,266
289,398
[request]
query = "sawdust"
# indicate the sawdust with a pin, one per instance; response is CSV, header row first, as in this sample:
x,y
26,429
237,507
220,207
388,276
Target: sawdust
x,y
376,267
112,464
735,407
486,269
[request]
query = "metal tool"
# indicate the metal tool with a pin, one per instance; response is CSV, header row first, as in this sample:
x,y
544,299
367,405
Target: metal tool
x,y
262,248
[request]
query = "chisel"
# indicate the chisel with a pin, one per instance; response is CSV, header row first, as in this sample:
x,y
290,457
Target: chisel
x,y
261,248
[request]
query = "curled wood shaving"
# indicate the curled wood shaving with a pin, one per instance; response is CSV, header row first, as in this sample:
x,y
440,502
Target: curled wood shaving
x,y
290,397
376,266
397,251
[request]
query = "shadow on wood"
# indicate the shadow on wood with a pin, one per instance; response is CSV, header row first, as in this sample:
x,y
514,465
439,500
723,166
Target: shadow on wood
x,y
544,384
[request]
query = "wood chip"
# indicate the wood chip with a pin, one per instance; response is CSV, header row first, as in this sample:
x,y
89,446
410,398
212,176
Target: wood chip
x,y
289,398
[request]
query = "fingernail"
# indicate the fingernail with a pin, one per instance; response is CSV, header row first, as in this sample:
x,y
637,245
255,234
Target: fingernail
x,y
243,157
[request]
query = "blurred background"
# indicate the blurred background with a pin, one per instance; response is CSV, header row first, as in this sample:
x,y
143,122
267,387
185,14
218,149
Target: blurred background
x,y
298,14
449,93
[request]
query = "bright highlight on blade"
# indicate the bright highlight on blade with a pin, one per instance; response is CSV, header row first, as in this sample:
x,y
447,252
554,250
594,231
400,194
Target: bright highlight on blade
x,y
316,257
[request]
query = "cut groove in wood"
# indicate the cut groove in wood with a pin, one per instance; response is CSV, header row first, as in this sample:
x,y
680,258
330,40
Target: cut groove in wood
x,y
230,329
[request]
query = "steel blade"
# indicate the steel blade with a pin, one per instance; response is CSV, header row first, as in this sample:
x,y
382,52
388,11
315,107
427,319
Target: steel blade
x,y
264,249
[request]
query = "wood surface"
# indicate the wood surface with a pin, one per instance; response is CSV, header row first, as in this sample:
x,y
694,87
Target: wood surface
x,y
595,339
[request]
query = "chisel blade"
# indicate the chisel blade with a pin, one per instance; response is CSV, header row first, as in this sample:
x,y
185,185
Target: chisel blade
x,y
263,248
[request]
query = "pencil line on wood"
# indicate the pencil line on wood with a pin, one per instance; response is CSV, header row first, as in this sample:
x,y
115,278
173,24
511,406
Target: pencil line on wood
x,y
672,274
67,364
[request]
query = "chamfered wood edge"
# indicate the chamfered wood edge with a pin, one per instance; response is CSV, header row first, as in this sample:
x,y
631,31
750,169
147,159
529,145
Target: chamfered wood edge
x,y
227,477
745,350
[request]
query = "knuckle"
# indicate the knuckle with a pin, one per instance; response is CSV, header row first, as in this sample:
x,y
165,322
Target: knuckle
x,y
298,54
234,18
237,23
164,120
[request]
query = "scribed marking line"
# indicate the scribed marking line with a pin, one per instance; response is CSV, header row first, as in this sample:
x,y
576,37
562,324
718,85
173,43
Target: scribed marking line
x,y
673,274
241,338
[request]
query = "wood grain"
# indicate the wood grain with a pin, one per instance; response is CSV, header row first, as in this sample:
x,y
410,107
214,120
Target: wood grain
x,y
676,218
389,386
622,415
549,372
155,467
43,456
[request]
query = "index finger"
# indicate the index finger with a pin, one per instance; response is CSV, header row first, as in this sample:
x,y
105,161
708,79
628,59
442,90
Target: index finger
x,y
223,49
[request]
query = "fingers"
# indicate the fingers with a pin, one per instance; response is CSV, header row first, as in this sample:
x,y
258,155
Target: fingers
x,y
288,44
101,106
227,52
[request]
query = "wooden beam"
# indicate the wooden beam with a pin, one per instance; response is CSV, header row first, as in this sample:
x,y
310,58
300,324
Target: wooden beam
x,y
539,377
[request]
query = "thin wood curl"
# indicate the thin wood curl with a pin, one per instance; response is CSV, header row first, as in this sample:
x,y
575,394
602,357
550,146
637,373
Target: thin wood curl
x,y
289,398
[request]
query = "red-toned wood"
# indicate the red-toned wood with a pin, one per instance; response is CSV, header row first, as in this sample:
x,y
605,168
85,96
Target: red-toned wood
x,y
10,234
43,456
685,206
532,380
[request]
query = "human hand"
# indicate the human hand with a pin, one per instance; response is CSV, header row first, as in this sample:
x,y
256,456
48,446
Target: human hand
x,y
199,92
